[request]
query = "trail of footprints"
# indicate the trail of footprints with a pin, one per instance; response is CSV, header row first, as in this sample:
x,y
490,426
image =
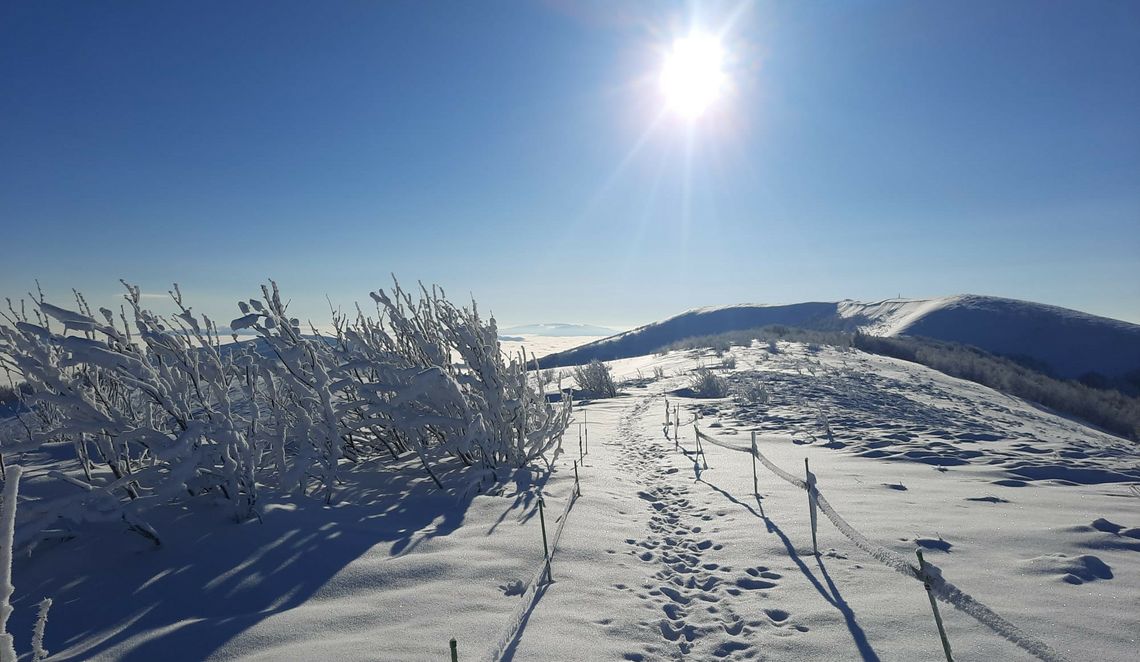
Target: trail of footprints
x,y
690,593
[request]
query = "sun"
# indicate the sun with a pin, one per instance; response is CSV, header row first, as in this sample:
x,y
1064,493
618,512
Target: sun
x,y
693,77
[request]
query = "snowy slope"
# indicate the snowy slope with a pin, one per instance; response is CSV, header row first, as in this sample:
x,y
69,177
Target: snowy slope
x,y
1032,514
1070,342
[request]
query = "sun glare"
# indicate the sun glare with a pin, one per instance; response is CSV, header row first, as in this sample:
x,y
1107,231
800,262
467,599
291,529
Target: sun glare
x,y
693,76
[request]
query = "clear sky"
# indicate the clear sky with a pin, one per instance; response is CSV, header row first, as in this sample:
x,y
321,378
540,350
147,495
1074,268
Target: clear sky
x,y
524,152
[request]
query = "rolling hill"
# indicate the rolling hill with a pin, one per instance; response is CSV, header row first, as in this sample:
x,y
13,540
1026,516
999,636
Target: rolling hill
x,y
1067,343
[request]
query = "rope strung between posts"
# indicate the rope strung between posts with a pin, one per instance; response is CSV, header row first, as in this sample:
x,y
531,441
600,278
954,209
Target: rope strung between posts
x,y
530,597
941,588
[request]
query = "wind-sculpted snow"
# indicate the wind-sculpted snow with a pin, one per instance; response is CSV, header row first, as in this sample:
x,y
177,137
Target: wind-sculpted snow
x,y
916,416
157,408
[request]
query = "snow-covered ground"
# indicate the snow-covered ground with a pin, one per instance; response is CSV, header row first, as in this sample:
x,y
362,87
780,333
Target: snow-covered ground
x,y
1034,515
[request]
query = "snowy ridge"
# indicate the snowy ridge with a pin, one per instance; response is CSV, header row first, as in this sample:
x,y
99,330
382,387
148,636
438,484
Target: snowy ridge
x,y
943,589
1069,342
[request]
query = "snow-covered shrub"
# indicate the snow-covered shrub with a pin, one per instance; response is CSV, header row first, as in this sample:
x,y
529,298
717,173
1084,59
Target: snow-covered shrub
x,y
408,390
658,372
595,380
751,391
161,408
707,384
150,405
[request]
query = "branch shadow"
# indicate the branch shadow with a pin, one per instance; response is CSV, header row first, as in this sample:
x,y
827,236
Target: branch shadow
x,y
117,596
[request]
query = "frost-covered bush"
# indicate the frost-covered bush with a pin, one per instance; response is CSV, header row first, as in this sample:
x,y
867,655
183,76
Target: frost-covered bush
x,y
707,384
595,379
751,391
163,408
152,407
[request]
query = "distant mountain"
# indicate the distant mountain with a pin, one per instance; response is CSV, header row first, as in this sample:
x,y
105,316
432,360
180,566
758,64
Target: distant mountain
x,y
557,329
1067,342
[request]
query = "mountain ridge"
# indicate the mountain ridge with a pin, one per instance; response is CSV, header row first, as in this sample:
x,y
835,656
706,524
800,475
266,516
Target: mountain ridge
x,y
1070,342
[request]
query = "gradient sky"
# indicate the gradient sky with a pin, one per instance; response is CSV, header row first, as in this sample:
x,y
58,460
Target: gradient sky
x,y
519,151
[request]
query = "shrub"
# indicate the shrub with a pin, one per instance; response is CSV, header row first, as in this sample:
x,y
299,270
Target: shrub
x,y
707,384
751,392
160,408
595,379
658,373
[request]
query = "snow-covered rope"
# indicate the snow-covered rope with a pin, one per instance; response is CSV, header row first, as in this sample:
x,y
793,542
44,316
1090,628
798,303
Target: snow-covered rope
x,y
942,589
530,597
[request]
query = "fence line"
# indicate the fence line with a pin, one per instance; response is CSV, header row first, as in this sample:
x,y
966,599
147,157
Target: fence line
x,y
932,576
530,596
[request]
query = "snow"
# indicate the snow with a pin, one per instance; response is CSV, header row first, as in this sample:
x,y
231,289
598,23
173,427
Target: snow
x,y
1031,514
1069,342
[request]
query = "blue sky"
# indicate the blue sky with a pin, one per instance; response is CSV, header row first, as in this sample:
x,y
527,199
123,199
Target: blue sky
x,y
520,152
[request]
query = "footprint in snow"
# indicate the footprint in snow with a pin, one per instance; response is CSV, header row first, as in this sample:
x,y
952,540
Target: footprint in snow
x,y
513,587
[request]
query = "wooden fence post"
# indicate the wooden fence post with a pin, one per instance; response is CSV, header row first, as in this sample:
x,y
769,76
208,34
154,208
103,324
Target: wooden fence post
x,y
934,607
700,447
811,505
676,426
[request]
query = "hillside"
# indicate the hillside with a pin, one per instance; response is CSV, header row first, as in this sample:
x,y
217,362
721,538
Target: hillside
x,y
662,557
1067,342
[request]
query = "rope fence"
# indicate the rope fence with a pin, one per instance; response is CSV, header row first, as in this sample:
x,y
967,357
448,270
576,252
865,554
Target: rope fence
x,y
530,595
929,575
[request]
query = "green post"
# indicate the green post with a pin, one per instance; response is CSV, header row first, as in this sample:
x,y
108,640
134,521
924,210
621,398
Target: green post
x,y
454,651
586,423
934,607
811,505
545,548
